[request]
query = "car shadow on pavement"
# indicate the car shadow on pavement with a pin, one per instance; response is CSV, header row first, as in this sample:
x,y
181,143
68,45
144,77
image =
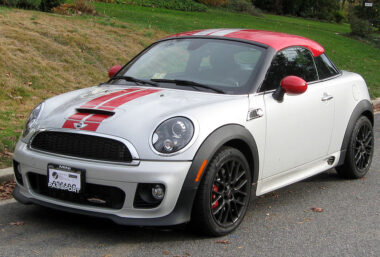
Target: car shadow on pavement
x,y
103,231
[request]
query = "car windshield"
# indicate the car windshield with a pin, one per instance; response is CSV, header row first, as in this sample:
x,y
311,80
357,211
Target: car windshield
x,y
224,65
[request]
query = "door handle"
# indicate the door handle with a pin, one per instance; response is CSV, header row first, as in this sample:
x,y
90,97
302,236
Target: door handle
x,y
326,97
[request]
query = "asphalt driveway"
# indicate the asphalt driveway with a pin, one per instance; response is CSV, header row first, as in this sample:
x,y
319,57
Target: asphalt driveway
x,y
278,224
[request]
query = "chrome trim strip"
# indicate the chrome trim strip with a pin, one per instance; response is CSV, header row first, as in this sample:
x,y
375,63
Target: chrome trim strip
x,y
135,157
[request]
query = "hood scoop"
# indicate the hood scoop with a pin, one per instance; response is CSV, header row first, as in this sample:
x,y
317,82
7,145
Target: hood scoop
x,y
95,111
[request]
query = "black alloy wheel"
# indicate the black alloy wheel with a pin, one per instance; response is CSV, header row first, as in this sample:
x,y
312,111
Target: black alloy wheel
x,y
360,150
223,194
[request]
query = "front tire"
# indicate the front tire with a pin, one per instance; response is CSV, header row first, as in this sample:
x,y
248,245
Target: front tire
x,y
223,194
360,150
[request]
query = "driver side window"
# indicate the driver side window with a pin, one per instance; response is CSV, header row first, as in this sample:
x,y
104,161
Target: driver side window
x,y
296,61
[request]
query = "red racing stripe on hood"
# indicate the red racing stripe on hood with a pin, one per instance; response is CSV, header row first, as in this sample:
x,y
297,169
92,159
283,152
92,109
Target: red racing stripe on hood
x,y
91,122
101,99
126,98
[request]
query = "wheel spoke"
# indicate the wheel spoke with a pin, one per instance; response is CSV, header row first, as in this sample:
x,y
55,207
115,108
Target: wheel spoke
x,y
239,192
227,212
216,200
219,208
241,184
239,177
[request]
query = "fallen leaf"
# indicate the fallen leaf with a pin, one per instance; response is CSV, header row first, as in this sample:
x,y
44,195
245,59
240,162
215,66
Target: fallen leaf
x,y
316,209
224,242
165,253
17,223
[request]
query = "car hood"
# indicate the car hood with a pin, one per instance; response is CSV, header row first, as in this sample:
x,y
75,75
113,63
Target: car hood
x,y
133,113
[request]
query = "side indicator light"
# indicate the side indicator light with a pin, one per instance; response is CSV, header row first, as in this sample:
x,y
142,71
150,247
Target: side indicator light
x,y
200,171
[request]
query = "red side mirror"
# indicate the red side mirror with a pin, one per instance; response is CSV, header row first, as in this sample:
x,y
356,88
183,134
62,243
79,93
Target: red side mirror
x,y
293,85
115,69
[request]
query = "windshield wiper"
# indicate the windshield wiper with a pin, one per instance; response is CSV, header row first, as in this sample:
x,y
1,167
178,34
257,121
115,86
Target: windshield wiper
x,y
188,83
132,79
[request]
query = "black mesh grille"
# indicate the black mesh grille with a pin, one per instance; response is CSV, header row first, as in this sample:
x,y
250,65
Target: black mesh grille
x,y
82,146
112,197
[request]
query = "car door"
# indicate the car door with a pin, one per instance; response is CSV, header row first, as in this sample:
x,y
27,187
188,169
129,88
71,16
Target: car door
x,y
299,128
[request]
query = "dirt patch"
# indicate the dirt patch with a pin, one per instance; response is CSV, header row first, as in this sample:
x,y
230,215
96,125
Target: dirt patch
x,y
6,190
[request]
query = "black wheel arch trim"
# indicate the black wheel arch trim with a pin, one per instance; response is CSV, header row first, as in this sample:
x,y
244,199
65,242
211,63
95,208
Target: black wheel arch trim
x,y
219,137
362,107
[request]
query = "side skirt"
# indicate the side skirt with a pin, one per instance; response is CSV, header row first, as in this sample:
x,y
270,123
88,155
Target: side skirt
x,y
297,174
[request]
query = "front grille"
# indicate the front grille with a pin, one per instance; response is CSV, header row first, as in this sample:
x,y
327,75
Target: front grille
x,y
113,197
81,146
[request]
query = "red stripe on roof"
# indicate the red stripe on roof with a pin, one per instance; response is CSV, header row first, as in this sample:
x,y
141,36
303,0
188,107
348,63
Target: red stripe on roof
x,y
276,40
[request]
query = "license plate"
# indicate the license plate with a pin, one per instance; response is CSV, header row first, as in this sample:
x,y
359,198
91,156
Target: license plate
x,y
65,178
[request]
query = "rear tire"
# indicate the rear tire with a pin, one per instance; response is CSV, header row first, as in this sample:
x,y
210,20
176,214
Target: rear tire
x,y
223,194
360,150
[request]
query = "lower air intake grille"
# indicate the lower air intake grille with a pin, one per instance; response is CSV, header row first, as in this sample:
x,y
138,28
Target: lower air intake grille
x,y
112,197
81,146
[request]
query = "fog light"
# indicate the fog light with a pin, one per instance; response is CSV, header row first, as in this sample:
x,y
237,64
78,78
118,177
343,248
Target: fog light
x,y
149,195
158,192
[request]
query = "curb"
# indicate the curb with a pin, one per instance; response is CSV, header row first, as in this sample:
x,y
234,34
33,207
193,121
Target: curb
x,y
6,175
376,105
376,101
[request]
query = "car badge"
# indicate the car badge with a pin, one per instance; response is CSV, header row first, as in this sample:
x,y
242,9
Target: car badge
x,y
79,125
255,113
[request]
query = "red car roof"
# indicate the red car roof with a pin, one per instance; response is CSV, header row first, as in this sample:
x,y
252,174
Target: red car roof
x,y
276,40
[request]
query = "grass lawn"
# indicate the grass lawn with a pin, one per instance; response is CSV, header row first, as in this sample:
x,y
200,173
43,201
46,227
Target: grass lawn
x,y
347,53
46,54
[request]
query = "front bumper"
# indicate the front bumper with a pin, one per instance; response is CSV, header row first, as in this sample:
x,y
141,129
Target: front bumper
x,y
174,209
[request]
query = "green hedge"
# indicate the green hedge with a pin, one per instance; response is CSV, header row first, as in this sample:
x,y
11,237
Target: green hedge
x,y
181,5
43,5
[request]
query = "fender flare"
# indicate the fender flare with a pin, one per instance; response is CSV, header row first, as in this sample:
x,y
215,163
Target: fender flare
x,y
215,141
362,107
219,137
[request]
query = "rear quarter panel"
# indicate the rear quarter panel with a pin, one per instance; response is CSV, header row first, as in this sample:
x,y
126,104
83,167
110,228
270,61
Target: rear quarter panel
x,y
348,90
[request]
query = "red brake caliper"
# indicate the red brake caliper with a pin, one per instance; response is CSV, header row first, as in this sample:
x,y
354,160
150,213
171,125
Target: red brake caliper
x,y
214,189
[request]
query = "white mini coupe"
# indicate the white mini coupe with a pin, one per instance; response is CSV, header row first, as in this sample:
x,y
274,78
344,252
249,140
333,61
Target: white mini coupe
x,y
193,126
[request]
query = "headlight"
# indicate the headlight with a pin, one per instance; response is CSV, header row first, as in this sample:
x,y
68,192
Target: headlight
x,y
172,135
32,120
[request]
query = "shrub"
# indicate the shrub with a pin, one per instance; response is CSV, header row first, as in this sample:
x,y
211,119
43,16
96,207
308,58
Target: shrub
x,y
84,6
339,16
78,7
29,4
43,5
244,6
360,27
214,2
47,5
107,1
